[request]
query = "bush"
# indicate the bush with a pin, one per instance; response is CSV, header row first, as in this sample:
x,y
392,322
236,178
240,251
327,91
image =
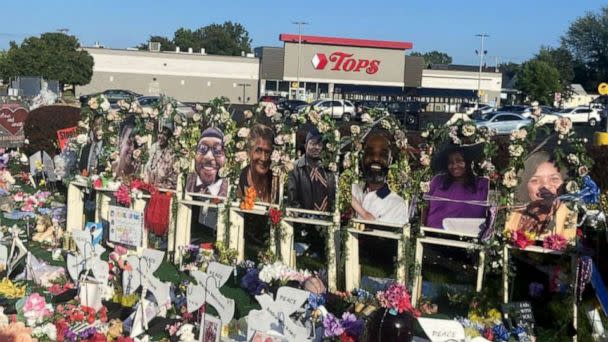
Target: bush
x,y
42,124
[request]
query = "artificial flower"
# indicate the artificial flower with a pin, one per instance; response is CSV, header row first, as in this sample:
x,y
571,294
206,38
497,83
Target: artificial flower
x,y
556,242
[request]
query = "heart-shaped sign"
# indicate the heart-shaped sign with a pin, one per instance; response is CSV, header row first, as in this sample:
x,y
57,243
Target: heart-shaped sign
x,y
12,118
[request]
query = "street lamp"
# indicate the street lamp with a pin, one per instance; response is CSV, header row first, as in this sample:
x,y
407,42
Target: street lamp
x,y
481,53
244,85
299,23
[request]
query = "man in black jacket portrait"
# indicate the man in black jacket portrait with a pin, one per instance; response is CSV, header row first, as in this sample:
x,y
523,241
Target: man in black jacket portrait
x,y
89,156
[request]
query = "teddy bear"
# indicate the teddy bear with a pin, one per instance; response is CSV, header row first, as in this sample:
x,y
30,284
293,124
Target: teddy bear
x,y
44,230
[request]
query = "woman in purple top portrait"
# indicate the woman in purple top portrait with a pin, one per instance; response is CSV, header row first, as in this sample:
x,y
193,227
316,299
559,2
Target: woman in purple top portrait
x,y
455,185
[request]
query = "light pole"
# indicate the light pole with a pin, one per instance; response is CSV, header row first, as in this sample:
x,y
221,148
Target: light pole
x,y
244,85
299,23
481,53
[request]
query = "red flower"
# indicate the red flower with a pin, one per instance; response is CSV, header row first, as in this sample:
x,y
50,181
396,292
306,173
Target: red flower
x,y
98,337
275,215
347,338
488,334
520,239
207,246
555,242
124,339
98,183
579,232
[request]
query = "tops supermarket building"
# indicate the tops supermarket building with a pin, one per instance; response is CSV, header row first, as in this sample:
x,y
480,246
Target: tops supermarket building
x,y
318,67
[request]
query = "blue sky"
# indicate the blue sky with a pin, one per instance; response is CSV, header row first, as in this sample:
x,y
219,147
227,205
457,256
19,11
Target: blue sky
x,y
517,28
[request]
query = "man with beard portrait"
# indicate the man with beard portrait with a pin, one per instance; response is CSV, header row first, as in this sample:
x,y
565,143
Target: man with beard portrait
x,y
372,199
209,159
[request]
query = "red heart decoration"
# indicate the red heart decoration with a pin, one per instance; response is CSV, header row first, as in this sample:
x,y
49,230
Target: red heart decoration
x,y
13,119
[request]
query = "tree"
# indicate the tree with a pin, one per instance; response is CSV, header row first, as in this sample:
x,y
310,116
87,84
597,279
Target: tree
x,y
434,57
561,59
217,39
54,56
166,44
587,40
539,81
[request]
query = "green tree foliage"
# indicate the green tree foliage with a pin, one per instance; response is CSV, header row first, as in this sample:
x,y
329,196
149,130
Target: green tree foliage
x,y
166,44
587,40
54,56
434,57
561,59
217,39
539,81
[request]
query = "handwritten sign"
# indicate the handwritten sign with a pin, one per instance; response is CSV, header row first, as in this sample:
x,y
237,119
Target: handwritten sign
x,y
440,330
126,226
64,135
519,314
12,120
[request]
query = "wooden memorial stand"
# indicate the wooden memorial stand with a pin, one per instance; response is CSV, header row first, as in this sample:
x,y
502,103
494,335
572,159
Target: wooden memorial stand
x,y
538,249
353,268
441,237
75,206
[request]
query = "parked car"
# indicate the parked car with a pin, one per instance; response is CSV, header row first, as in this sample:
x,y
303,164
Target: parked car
x,y
582,114
150,101
290,106
523,110
113,95
272,98
504,122
363,106
407,112
339,109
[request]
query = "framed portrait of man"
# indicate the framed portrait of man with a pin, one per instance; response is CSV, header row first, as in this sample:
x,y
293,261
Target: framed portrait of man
x,y
210,157
160,170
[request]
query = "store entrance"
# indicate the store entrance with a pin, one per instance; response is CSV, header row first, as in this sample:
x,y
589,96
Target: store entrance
x,y
296,93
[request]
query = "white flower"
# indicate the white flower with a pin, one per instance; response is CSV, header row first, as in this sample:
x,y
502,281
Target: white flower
x,y
510,179
105,105
243,132
355,130
186,333
488,166
572,186
23,158
424,134
519,134
82,124
516,150
248,114
468,130
278,140
563,125
240,145
323,127
168,110
135,108
573,159
240,157
270,109
425,186
366,118
199,107
385,124
333,167
82,139
293,117
346,162
223,172
123,104
583,170
93,103
112,115
196,117
139,140
49,330
146,112
275,157
314,117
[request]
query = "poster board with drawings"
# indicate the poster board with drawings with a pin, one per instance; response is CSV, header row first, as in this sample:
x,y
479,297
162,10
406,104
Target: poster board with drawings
x,y
126,226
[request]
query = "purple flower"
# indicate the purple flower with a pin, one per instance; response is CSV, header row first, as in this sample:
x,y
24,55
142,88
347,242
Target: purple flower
x,y
352,325
535,289
332,326
252,283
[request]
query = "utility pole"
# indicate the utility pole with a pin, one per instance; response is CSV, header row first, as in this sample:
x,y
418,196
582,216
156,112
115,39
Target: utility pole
x,y
481,53
299,23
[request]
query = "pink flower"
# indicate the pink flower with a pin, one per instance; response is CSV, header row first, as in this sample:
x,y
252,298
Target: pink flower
x,y
120,250
555,242
520,239
123,195
35,302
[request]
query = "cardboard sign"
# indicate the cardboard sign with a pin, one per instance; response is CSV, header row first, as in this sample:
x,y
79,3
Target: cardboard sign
x,y
12,120
64,135
441,330
519,314
126,226
45,161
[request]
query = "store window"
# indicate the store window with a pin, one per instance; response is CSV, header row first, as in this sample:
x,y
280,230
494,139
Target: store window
x,y
284,86
271,85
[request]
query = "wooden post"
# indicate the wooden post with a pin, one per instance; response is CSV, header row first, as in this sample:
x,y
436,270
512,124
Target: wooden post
x,y
182,228
75,208
505,274
352,268
417,290
237,233
286,244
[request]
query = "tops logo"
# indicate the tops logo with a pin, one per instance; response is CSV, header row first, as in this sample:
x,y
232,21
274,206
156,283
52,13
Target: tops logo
x,y
344,61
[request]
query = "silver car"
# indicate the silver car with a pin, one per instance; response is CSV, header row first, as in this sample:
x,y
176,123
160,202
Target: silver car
x,y
503,122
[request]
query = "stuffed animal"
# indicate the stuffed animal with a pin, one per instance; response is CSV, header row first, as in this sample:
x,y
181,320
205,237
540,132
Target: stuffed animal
x,y
44,229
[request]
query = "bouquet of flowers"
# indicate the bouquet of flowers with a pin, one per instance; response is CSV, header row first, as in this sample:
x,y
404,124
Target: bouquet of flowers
x,y
396,299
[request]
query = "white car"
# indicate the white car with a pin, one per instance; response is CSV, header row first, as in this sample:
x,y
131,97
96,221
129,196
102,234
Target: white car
x,y
150,101
339,109
581,114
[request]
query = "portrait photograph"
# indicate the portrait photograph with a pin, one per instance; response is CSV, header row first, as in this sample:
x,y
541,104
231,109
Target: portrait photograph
x,y
159,170
457,197
372,199
540,211
128,163
210,157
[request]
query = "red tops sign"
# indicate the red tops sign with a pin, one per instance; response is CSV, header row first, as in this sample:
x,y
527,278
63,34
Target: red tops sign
x,y
342,61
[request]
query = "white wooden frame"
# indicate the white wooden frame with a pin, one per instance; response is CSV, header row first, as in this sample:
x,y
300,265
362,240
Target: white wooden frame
x,y
447,239
540,250
332,224
353,268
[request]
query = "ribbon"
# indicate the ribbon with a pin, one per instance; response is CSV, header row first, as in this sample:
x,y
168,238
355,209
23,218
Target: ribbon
x,y
600,288
589,194
501,333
